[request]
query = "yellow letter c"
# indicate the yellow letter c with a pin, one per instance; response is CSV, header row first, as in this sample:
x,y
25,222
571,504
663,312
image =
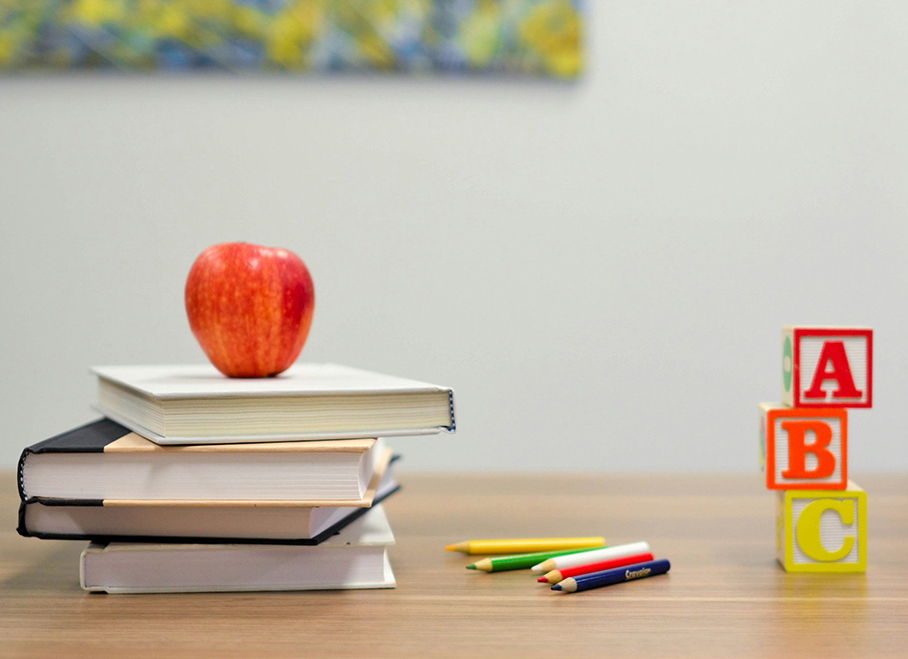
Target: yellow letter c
x,y
809,529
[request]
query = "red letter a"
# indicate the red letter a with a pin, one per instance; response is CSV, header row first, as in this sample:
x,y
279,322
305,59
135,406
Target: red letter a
x,y
798,449
834,352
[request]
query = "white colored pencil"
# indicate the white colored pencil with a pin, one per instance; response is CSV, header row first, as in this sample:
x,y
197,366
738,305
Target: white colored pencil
x,y
584,558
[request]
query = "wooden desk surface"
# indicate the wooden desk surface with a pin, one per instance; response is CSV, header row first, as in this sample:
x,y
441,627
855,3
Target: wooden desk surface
x,y
725,594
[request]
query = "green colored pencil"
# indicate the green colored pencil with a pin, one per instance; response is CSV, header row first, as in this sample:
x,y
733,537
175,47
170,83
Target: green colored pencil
x,y
520,561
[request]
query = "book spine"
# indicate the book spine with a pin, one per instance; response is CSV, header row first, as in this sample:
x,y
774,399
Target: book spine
x,y
21,529
20,474
451,407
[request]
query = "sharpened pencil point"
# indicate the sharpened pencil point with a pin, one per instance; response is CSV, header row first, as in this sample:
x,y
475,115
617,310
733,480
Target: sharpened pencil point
x,y
557,586
485,565
543,579
451,547
472,566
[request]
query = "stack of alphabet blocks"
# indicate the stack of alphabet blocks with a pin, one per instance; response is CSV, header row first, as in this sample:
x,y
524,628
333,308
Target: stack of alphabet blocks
x,y
821,516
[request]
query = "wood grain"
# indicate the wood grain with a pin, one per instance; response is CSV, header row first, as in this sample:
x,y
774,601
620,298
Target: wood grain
x,y
724,596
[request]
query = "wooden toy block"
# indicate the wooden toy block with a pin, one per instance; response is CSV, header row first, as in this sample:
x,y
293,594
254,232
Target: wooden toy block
x,y
822,531
827,366
803,448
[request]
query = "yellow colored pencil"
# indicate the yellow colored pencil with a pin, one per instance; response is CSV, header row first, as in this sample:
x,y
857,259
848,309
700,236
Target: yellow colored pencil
x,y
524,545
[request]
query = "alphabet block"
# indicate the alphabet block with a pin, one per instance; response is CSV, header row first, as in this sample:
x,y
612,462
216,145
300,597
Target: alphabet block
x,y
821,531
827,366
804,449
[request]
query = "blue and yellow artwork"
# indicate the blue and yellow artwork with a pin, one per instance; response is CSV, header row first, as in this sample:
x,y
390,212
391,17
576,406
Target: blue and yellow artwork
x,y
521,37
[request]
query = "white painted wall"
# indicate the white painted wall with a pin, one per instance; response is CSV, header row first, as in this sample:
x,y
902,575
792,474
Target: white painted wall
x,y
601,270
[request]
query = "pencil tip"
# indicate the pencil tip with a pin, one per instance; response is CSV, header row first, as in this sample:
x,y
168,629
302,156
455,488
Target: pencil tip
x,y
557,586
542,579
451,548
471,566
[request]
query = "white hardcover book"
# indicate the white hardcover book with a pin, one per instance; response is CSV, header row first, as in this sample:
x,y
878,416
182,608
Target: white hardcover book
x,y
104,460
355,558
196,404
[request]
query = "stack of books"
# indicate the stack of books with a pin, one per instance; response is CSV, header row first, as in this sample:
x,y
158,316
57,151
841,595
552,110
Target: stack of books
x,y
197,482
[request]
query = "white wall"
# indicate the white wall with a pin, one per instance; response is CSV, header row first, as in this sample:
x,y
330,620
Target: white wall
x,y
601,270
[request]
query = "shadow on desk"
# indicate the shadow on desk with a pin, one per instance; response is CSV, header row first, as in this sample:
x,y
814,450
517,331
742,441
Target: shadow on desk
x,y
56,571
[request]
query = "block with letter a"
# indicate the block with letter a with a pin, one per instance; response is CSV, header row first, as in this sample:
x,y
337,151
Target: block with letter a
x,y
804,449
822,531
827,366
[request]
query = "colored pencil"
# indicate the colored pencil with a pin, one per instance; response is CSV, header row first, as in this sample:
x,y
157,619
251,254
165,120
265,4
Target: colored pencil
x,y
519,561
605,554
610,577
560,575
525,545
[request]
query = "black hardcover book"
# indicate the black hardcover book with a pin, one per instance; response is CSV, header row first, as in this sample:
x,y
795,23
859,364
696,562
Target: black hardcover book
x,y
104,460
160,518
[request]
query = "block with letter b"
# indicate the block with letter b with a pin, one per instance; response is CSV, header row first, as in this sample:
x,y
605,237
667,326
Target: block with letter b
x,y
822,531
804,448
827,366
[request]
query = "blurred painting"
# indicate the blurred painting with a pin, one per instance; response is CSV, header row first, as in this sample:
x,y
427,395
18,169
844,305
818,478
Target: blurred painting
x,y
510,37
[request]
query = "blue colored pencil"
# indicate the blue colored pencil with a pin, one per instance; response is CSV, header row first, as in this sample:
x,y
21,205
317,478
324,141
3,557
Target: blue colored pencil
x,y
613,576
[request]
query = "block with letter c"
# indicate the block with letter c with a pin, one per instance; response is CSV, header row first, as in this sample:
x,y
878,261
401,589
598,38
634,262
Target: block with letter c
x,y
822,531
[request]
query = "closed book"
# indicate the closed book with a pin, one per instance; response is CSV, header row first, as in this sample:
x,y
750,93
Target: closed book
x,y
357,557
195,404
303,524
104,460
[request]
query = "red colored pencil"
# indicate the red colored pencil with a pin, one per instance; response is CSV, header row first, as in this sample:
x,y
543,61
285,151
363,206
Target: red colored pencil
x,y
564,573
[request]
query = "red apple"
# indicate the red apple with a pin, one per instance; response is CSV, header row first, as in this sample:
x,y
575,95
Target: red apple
x,y
250,307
